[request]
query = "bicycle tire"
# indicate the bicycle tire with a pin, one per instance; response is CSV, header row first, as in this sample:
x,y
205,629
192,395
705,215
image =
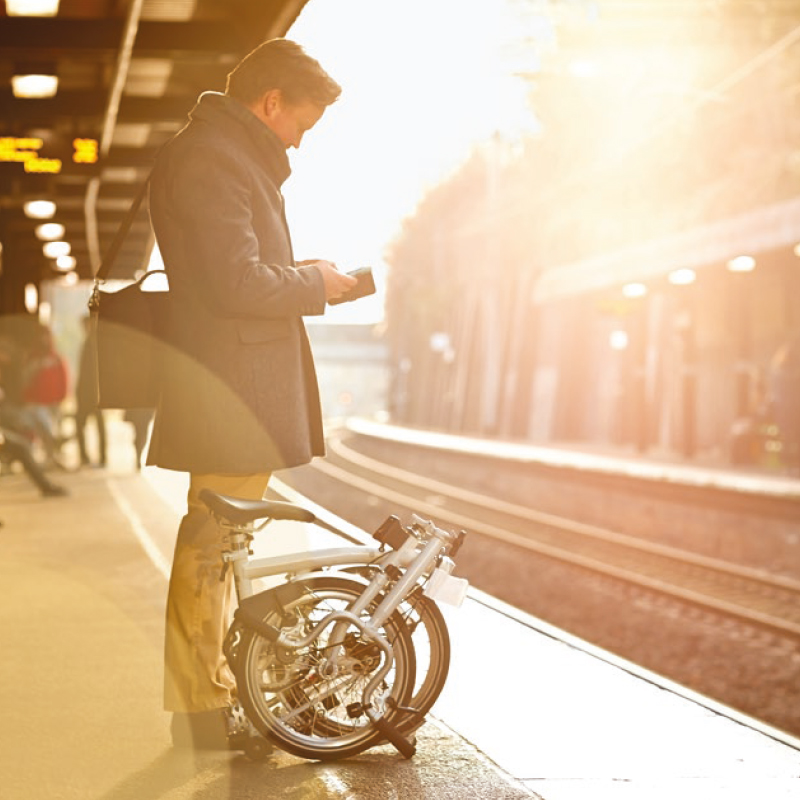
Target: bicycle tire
x,y
431,640
300,710
432,651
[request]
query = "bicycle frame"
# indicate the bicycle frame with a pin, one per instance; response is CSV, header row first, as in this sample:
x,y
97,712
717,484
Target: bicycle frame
x,y
415,560
248,570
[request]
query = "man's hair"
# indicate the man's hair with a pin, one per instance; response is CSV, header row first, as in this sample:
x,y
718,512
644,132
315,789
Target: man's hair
x,y
282,64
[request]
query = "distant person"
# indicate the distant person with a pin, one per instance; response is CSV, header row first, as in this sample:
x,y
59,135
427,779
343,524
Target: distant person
x,y
139,419
15,448
86,399
239,397
14,414
785,400
11,412
45,385
749,431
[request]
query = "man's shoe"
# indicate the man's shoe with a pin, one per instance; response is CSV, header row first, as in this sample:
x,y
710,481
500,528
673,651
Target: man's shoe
x,y
243,735
54,490
219,729
200,730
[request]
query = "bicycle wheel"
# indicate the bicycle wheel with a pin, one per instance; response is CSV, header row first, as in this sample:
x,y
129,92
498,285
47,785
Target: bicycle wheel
x,y
431,640
293,702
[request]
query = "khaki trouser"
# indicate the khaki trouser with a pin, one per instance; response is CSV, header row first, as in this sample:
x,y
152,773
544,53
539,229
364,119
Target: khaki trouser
x,y
199,604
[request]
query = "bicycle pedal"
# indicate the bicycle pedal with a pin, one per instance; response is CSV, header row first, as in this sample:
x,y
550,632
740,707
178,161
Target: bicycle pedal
x,y
355,710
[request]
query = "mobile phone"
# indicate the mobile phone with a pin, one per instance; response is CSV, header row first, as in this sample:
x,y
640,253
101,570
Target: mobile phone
x,y
365,286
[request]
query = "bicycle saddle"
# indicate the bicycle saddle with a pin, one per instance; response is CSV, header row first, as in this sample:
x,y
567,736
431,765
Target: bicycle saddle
x,y
240,511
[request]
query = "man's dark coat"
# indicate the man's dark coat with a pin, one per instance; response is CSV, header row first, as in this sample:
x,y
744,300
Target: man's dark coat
x,y
240,393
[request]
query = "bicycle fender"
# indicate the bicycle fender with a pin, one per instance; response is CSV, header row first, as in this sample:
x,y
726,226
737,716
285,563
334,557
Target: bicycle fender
x,y
339,572
252,610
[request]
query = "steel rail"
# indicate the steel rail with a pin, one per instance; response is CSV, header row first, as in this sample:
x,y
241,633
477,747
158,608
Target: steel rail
x,y
776,624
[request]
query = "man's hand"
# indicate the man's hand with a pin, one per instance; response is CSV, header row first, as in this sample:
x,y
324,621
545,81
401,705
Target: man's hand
x,y
336,283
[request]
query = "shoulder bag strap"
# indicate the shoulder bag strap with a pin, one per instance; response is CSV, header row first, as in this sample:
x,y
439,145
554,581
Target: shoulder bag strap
x,y
116,244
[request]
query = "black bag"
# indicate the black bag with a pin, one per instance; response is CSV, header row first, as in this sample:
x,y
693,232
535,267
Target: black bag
x,y
130,327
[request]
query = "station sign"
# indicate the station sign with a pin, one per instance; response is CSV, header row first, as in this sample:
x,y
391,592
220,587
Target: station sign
x,y
30,151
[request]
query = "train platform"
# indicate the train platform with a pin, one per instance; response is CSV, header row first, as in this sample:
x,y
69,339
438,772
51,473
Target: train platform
x,y
703,473
746,517
528,711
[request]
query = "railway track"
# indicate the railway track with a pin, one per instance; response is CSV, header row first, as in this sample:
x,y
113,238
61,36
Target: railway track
x,y
753,596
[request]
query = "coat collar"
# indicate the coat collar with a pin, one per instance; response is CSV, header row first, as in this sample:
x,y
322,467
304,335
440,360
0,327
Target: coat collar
x,y
227,112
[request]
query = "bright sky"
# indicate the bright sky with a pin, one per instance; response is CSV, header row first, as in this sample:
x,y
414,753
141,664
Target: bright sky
x,y
423,82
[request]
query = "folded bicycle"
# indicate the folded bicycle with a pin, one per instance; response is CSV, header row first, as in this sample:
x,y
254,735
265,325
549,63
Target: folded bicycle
x,y
351,650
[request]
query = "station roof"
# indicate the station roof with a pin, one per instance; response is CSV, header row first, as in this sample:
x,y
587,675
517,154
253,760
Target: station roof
x,y
128,71
775,227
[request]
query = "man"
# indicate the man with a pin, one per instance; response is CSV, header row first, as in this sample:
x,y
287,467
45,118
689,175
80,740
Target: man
x,y
14,447
86,398
240,396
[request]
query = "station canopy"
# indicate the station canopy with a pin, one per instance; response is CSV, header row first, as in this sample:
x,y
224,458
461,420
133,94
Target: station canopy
x,y
89,90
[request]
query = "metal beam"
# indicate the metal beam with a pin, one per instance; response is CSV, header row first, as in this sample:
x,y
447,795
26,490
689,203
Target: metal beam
x,y
34,38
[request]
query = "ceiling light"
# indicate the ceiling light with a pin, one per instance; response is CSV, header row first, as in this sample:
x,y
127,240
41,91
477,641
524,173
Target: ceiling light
x,y
682,277
32,8
742,264
584,68
39,209
50,231
33,86
634,290
56,249
31,298
618,340
66,263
